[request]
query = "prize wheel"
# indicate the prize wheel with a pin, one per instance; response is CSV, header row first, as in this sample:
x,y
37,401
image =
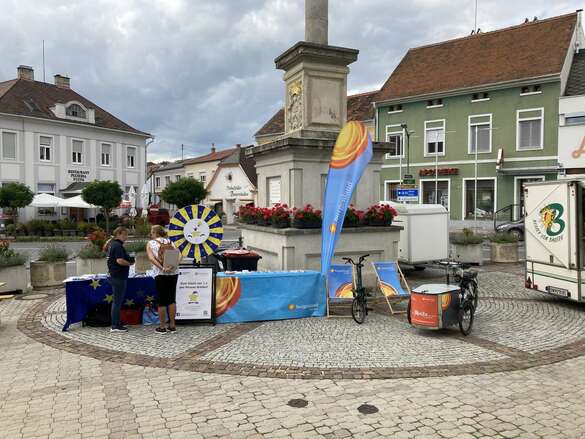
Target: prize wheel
x,y
196,231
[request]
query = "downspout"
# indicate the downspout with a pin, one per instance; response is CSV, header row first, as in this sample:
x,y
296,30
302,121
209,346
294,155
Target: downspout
x,y
150,189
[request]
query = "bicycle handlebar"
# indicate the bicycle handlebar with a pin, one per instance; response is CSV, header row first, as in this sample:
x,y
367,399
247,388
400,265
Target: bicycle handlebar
x,y
351,261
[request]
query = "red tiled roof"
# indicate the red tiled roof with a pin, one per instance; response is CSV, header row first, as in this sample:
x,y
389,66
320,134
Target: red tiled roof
x,y
534,49
35,99
359,107
211,157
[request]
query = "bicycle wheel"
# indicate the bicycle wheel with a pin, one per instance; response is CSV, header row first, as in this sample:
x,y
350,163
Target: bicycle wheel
x,y
466,313
470,291
358,310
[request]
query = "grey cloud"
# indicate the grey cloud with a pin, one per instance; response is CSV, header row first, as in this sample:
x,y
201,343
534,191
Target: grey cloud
x,y
197,72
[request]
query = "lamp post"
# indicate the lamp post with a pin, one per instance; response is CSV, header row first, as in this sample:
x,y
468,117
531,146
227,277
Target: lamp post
x,y
405,128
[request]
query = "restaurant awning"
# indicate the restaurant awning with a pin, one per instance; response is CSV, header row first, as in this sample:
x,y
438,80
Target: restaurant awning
x,y
76,202
46,200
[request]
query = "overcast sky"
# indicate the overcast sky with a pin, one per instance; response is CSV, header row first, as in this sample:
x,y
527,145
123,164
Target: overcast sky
x,y
202,71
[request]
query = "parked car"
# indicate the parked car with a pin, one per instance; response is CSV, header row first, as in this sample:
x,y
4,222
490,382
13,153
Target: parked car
x,y
158,216
514,227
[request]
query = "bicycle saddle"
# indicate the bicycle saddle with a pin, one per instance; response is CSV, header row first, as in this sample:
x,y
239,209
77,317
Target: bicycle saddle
x,y
470,275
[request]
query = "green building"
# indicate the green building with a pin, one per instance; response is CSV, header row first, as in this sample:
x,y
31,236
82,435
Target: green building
x,y
479,110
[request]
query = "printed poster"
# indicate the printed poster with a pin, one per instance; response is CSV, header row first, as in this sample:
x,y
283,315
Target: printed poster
x,y
195,293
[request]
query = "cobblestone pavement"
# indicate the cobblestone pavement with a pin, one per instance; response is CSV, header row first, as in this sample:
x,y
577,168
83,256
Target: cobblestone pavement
x,y
57,387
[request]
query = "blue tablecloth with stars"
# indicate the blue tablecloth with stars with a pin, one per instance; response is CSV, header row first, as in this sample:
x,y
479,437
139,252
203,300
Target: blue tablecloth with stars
x,y
84,293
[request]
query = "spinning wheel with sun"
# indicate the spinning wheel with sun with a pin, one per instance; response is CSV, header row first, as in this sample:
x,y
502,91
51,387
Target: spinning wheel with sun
x,y
196,231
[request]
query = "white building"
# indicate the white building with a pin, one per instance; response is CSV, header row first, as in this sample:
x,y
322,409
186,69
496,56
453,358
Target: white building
x,y
572,121
56,141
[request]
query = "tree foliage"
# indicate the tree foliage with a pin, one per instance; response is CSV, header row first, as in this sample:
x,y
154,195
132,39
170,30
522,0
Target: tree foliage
x,y
15,196
105,194
184,192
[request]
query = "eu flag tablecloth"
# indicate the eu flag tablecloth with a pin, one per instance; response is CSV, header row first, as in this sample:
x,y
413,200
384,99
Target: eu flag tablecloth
x,y
83,293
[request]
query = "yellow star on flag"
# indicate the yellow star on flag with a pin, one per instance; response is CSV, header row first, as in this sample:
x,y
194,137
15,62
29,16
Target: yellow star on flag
x,y
95,284
150,298
109,298
129,302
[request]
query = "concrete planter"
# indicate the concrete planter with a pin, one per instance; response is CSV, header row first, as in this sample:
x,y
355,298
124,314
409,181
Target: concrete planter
x,y
16,278
300,249
504,252
142,264
47,274
470,254
91,266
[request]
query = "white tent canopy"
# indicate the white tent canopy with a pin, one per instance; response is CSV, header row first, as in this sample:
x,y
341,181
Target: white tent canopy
x,y
76,202
46,200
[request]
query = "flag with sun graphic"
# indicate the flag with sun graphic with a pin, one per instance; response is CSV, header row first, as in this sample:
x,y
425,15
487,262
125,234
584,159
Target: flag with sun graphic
x,y
196,231
351,154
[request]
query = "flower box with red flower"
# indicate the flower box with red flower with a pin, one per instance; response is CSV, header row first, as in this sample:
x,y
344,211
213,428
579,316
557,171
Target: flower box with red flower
x,y
380,215
307,218
280,216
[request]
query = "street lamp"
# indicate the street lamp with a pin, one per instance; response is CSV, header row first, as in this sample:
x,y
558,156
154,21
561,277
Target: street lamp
x,y
405,128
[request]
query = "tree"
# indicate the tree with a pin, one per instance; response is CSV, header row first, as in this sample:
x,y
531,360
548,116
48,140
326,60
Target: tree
x,y
105,194
15,196
184,192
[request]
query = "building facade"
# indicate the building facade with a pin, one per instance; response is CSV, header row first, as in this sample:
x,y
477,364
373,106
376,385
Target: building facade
x,y
471,121
56,141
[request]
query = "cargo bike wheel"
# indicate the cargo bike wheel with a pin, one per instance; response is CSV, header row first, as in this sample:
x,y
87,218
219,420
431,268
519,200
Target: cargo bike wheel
x,y
358,309
466,315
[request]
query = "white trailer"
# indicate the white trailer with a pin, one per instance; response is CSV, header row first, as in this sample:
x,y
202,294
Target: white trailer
x,y
425,234
554,230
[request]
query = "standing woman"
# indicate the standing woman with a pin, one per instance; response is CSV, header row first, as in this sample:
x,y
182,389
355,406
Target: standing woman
x,y
119,262
165,278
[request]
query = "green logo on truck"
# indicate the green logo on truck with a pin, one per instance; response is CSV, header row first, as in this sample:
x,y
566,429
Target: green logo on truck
x,y
551,224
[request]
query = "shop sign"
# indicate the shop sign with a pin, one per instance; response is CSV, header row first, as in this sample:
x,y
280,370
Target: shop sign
x,y
237,191
441,171
77,175
550,224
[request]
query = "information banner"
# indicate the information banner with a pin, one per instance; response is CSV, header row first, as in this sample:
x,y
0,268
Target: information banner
x,y
195,293
339,281
407,194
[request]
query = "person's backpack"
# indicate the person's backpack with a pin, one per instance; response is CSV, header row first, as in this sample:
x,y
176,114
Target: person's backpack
x,y
99,315
163,247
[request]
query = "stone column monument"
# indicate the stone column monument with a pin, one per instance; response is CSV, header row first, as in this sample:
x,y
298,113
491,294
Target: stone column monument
x,y
293,168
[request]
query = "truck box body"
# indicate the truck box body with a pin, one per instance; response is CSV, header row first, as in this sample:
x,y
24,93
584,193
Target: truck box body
x,y
554,237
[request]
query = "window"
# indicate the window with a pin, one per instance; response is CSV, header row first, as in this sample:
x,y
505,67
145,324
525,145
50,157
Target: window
x,y
75,110
530,129
574,120
131,157
395,108
8,145
46,188
77,151
435,137
390,190
167,180
157,181
45,147
177,177
202,177
530,90
394,136
479,97
106,154
485,198
434,103
435,192
273,186
480,134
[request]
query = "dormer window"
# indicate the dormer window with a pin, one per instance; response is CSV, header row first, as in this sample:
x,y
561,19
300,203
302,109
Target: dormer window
x,y
75,110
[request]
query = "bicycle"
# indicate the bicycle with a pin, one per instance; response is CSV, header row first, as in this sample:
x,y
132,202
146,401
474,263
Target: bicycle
x,y
468,292
359,305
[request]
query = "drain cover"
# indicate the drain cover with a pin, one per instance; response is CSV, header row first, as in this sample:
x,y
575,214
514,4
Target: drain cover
x,y
33,296
298,403
367,409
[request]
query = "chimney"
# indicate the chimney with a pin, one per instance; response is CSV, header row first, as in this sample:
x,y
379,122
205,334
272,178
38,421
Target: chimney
x,y
62,81
213,148
238,145
25,72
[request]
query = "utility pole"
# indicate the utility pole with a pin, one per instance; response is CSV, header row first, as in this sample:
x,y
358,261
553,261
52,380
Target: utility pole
x,y
182,152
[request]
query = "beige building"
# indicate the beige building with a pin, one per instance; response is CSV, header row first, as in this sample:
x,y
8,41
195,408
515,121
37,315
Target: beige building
x,y
203,168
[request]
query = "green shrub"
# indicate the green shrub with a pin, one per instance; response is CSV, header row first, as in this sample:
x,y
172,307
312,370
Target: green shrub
x,y
90,251
37,227
53,253
142,227
135,246
10,229
86,228
466,237
9,258
503,238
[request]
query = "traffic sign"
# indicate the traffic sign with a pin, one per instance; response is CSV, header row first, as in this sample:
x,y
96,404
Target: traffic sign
x,y
407,194
408,181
